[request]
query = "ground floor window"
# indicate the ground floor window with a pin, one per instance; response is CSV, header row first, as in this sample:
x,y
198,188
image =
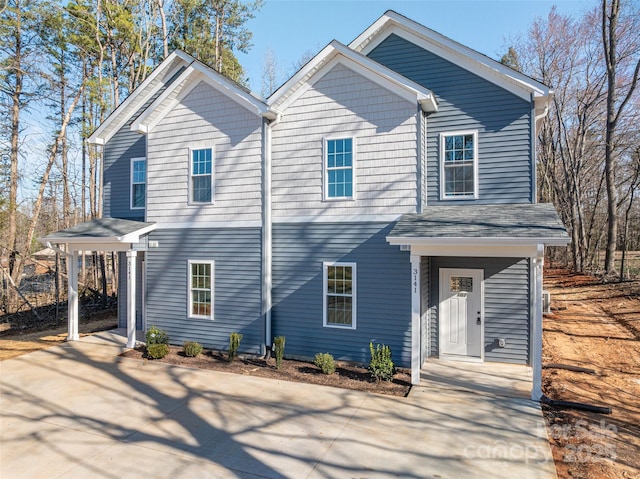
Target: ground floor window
x,y
201,289
340,295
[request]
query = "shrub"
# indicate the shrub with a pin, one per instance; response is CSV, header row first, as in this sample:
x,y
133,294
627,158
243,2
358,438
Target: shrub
x,y
278,349
381,366
325,362
156,336
191,349
234,344
157,351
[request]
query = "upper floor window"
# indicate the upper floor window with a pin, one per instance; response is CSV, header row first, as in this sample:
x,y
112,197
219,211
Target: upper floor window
x,y
201,175
201,289
459,160
138,182
340,295
339,168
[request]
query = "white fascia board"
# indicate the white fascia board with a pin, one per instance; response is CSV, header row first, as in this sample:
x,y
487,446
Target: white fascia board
x,y
92,242
465,57
469,241
141,125
188,80
336,53
476,250
140,95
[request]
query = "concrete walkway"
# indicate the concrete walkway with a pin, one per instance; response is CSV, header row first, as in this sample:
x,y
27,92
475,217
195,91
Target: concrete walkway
x,y
78,411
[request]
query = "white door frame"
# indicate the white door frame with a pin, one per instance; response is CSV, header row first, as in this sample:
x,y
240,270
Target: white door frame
x,y
476,273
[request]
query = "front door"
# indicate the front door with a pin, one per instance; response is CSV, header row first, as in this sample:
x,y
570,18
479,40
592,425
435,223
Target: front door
x,y
461,313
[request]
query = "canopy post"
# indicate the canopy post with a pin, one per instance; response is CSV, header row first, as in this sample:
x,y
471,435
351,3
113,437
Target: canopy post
x,y
72,281
131,298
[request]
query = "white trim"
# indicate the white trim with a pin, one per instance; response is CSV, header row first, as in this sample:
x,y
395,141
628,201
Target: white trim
x,y
191,149
472,241
208,224
138,95
336,53
416,323
189,287
131,297
188,80
333,218
443,195
115,243
475,272
354,293
325,168
465,57
131,183
537,268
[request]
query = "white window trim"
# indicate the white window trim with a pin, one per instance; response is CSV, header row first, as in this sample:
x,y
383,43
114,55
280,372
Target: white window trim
x,y
190,297
325,168
354,294
443,195
190,173
133,160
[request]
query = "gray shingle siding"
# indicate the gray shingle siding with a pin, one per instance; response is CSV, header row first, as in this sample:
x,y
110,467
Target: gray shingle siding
x,y
468,102
237,283
383,290
506,305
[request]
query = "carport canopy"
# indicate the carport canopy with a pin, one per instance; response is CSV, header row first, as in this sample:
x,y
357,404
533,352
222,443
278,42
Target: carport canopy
x,y
512,230
101,234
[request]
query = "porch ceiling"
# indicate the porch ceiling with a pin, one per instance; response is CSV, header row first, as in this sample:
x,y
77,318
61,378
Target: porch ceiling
x,y
521,224
101,234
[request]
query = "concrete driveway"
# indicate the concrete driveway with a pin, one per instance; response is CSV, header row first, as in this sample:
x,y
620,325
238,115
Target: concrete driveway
x,y
78,411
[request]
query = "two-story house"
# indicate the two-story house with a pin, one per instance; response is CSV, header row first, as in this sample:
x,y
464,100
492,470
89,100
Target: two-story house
x,y
385,193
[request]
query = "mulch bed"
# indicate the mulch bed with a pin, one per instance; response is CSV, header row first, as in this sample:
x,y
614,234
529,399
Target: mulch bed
x,y
347,375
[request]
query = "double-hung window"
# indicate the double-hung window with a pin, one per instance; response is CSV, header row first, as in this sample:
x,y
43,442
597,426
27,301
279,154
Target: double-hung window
x,y
340,295
201,289
339,168
201,172
459,160
138,182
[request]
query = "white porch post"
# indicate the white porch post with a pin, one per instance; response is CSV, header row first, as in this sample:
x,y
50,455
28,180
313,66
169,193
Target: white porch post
x,y
536,330
415,319
131,298
72,304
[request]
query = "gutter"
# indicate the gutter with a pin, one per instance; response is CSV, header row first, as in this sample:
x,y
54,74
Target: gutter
x,y
267,230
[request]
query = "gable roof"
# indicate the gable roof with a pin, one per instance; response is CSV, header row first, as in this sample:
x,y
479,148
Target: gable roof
x,y
101,231
463,56
143,93
504,224
337,53
188,79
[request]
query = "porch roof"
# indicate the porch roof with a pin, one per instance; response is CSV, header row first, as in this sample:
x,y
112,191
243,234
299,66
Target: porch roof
x,y
102,233
484,224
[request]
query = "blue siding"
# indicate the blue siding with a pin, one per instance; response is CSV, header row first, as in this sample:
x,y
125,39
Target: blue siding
x,y
466,102
237,294
506,305
116,169
383,290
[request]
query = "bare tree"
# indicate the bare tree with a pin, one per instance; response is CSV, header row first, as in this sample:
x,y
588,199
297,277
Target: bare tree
x,y
616,51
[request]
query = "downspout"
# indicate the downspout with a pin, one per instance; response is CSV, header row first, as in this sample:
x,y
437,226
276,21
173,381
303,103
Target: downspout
x,y
267,225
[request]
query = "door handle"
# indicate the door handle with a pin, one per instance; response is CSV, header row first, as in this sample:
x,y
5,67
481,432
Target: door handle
x,y
479,320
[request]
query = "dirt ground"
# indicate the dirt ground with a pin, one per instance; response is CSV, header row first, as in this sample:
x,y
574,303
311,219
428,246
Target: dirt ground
x,y
15,340
596,326
346,376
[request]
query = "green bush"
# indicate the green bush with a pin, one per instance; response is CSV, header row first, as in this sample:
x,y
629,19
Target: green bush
x,y
278,349
156,336
381,366
325,362
191,349
234,344
157,351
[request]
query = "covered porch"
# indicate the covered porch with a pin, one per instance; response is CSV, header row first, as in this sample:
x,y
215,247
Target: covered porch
x,y
102,234
476,284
